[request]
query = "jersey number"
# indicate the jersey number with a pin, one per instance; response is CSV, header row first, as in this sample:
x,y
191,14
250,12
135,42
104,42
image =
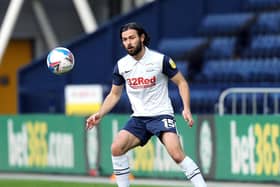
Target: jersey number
x,y
169,123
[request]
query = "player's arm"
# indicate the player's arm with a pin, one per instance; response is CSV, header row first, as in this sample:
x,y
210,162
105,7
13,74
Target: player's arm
x,y
184,91
110,101
170,69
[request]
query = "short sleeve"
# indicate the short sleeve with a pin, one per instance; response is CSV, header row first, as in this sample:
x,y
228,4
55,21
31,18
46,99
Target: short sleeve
x,y
169,67
117,77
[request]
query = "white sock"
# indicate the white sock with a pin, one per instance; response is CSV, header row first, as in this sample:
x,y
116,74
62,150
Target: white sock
x,y
121,170
192,172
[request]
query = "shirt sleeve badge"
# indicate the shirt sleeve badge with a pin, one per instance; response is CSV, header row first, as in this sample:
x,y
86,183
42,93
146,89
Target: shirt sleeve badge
x,y
172,64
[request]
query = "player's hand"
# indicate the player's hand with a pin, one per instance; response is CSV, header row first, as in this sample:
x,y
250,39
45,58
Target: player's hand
x,y
188,117
93,120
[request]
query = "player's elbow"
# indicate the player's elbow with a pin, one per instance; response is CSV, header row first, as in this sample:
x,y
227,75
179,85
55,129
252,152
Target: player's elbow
x,y
115,96
183,85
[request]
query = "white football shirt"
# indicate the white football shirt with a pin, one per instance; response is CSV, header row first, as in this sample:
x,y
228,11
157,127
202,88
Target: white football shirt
x,y
146,82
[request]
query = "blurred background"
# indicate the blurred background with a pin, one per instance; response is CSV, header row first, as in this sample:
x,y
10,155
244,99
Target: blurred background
x,y
227,50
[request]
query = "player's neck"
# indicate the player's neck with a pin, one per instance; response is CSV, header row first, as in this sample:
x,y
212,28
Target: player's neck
x,y
140,54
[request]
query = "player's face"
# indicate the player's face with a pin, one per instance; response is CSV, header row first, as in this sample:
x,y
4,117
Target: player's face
x,y
132,42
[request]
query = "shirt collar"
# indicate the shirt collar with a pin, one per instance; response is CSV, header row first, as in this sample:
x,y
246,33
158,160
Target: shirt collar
x,y
143,57
145,54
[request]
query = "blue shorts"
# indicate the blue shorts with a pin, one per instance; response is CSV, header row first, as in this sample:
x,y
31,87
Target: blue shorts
x,y
145,127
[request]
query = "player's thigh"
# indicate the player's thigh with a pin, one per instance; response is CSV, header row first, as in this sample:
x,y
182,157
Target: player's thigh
x,y
173,146
123,142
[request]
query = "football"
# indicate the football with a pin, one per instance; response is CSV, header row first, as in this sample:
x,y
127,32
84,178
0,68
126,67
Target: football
x,y
60,60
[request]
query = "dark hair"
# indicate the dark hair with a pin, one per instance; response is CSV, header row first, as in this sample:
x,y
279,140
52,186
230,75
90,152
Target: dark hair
x,y
140,30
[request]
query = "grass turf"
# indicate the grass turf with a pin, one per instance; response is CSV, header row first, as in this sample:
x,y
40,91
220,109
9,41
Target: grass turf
x,y
42,183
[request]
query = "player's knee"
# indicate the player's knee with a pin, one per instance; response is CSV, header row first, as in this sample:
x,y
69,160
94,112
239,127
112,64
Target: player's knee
x,y
178,157
116,150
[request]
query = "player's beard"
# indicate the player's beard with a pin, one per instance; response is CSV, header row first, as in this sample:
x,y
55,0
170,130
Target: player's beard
x,y
136,50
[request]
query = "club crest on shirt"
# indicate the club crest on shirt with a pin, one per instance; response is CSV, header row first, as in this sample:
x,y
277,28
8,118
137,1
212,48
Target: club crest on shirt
x,y
172,64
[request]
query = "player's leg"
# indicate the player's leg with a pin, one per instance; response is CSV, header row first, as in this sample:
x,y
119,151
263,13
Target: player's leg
x,y
123,142
173,146
133,134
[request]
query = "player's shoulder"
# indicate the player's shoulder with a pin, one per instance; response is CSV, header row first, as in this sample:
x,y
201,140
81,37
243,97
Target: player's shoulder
x,y
123,59
154,57
124,63
155,54
160,57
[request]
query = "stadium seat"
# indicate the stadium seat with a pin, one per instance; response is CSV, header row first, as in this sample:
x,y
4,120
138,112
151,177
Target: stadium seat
x,y
179,48
224,24
220,48
263,46
267,23
204,101
246,70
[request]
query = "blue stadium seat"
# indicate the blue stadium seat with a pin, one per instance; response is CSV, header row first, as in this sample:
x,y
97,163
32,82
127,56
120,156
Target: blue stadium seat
x,y
220,48
260,5
224,24
267,23
204,101
177,48
263,46
246,70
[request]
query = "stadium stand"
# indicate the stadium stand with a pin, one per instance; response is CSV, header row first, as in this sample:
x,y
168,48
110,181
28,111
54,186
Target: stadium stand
x,y
243,50
232,48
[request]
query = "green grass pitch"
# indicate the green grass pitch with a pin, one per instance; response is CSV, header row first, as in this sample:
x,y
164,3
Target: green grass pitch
x,y
43,183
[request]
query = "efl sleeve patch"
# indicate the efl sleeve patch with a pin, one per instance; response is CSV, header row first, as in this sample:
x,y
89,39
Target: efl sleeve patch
x,y
172,63
169,67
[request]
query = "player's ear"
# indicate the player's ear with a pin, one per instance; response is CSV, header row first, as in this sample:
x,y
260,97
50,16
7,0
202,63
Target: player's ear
x,y
142,37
